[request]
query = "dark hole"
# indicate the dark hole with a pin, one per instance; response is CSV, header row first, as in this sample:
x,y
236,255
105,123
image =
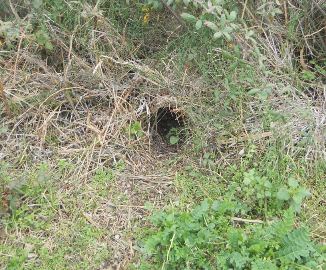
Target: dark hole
x,y
168,123
131,74
314,93
54,59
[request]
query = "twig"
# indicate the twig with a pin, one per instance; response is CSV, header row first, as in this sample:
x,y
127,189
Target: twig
x,y
305,40
4,99
302,62
285,13
13,10
316,32
244,9
17,58
244,220
57,92
320,8
168,253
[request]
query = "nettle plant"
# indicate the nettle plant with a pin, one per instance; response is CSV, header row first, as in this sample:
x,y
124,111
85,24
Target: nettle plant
x,y
293,193
257,190
222,234
206,237
257,186
216,17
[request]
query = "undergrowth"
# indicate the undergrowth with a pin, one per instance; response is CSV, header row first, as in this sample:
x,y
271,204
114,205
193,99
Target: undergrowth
x,y
240,183
210,237
252,221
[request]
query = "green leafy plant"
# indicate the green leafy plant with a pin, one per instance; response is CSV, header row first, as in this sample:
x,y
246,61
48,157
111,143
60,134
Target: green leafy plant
x,y
173,136
209,159
216,17
43,39
206,237
212,14
177,234
293,194
257,186
319,68
269,9
33,28
307,75
135,130
259,192
9,32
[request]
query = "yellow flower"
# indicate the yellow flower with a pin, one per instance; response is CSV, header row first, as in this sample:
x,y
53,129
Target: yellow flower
x,y
146,10
146,18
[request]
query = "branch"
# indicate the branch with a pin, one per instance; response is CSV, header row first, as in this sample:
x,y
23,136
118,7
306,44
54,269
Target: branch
x,y
13,10
257,221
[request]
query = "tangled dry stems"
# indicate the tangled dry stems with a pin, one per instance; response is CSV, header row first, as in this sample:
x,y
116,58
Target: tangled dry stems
x,y
77,107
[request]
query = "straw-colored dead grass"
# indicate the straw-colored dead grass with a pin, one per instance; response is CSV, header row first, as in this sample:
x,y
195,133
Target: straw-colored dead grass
x,y
76,107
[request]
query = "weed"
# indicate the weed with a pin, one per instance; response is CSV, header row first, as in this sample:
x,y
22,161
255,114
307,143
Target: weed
x,y
214,16
173,136
207,238
36,205
257,188
293,193
76,169
135,130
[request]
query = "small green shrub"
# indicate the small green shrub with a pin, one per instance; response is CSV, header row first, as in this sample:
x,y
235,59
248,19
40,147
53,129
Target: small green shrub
x,y
241,231
293,194
173,136
207,237
257,186
264,196
135,130
215,15
34,31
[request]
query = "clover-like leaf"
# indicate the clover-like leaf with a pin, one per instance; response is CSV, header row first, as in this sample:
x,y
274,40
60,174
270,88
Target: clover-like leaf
x,y
232,15
218,35
188,17
212,26
293,183
174,140
199,24
283,194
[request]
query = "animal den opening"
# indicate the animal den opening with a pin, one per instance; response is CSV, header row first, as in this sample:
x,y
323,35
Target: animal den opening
x,y
168,127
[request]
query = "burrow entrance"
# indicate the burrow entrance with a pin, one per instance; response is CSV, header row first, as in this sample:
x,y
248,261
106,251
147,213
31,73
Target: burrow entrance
x,y
168,128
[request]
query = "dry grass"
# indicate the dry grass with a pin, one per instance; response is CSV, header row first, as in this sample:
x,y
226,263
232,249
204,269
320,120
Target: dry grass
x,y
76,107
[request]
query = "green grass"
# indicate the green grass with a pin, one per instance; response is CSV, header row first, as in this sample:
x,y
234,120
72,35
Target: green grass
x,y
246,190
49,228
